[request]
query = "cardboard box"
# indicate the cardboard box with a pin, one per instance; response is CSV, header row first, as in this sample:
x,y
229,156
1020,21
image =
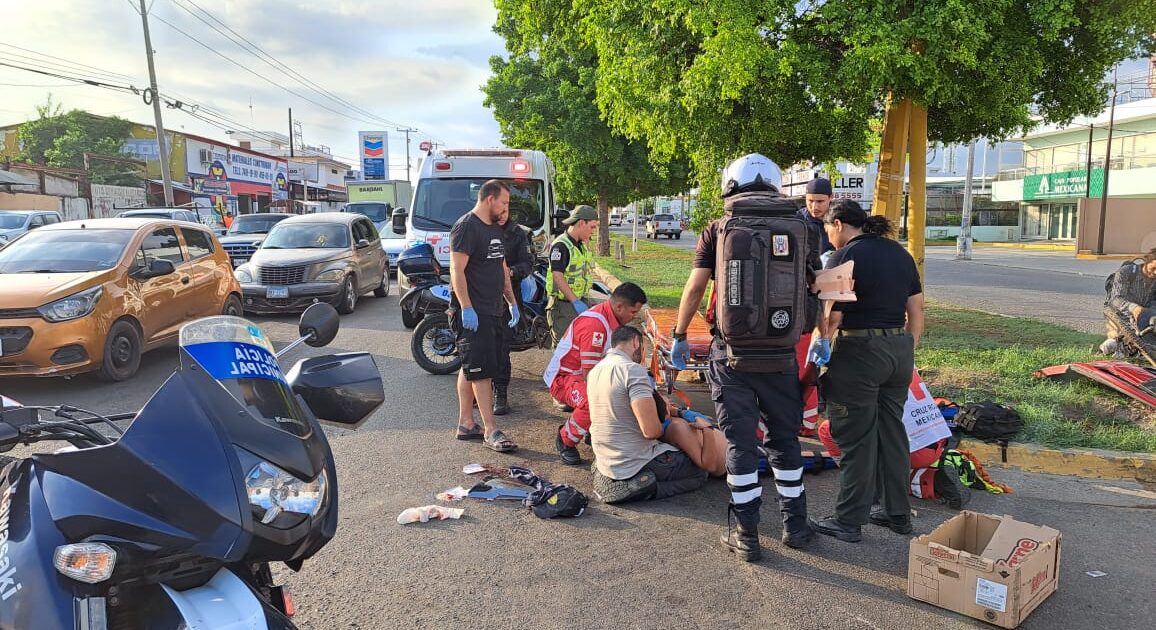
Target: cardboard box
x,y
992,568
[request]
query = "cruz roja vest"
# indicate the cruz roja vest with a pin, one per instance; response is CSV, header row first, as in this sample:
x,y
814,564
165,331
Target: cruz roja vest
x,y
764,251
577,273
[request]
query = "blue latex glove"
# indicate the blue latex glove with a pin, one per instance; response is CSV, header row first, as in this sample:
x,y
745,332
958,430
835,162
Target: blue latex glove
x,y
529,287
580,306
692,416
820,352
680,353
470,319
515,315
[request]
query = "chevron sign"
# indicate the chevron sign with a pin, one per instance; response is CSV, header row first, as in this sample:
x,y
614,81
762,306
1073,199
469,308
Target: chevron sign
x,y
374,154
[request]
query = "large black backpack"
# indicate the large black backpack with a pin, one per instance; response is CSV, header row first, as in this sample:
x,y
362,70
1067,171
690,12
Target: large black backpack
x,y
763,252
989,421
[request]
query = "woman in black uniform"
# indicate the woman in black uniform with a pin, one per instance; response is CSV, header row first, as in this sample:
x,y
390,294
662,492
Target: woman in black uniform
x,y
870,370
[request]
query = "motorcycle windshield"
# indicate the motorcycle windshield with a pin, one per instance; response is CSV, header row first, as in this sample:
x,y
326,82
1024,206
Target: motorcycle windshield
x,y
240,357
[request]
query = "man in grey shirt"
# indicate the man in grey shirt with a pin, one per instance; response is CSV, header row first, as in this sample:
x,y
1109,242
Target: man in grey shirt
x,y
626,429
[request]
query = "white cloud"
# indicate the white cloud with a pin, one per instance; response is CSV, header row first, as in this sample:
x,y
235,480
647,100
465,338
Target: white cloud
x,y
414,62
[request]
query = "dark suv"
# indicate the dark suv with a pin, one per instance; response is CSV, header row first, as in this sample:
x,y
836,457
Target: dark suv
x,y
246,234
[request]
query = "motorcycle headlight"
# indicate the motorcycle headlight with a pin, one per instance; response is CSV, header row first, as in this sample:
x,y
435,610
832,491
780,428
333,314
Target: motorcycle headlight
x,y
243,274
331,275
72,307
274,492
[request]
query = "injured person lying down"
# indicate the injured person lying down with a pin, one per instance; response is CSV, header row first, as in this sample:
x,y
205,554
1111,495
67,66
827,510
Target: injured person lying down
x,y
640,451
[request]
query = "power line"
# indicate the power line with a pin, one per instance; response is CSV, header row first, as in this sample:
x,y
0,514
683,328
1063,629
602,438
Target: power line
x,y
276,63
68,62
122,88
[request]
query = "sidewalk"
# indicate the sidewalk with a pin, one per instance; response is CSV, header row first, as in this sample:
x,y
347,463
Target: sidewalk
x,y
1036,260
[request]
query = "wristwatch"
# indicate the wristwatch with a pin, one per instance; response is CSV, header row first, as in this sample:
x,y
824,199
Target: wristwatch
x,y
677,336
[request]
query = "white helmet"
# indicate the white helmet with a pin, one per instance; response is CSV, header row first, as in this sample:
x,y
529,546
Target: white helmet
x,y
751,169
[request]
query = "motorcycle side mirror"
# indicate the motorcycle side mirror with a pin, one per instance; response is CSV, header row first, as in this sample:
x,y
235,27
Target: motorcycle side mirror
x,y
399,216
556,220
340,388
319,323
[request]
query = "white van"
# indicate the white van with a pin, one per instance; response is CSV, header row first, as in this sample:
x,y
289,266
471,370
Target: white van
x,y
447,188
615,218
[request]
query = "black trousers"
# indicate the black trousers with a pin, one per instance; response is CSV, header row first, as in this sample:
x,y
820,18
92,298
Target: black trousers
x,y
866,387
741,399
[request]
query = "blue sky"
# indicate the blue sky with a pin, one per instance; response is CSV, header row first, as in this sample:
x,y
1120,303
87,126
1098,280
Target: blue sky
x,y
418,63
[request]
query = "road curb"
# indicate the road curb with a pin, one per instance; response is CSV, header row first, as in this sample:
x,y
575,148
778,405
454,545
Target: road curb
x,y
1089,256
1079,462
1036,246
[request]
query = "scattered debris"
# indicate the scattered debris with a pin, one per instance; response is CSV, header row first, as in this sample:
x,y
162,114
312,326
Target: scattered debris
x,y
428,513
1096,574
453,494
491,491
472,469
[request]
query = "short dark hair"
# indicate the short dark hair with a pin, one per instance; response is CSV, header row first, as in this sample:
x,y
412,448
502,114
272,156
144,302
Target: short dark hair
x,y
629,293
623,334
1150,256
850,212
492,188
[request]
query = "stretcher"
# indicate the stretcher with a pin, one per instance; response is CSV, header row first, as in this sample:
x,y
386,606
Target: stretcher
x,y
658,327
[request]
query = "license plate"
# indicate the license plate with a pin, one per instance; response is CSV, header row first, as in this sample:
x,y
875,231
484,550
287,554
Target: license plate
x,y
277,292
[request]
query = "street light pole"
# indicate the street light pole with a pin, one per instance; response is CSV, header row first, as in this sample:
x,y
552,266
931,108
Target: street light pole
x,y
1107,168
407,131
162,150
963,244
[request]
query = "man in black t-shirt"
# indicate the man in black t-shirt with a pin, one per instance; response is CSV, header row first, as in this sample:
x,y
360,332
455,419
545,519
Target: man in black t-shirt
x,y
480,279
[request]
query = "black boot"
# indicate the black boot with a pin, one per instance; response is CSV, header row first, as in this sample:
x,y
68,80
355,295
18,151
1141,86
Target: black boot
x,y
742,540
569,454
797,532
880,517
501,406
832,526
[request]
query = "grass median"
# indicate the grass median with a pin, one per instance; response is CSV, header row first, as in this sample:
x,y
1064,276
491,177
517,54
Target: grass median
x,y
969,356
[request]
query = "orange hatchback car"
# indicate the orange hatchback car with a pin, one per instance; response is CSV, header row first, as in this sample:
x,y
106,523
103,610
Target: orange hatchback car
x,y
96,294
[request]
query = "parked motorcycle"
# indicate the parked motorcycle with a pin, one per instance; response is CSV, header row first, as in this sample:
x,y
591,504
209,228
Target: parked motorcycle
x,y
173,522
434,344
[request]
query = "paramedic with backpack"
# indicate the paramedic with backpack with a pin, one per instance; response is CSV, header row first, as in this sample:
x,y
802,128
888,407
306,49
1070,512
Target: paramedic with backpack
x,y
869,373
760,255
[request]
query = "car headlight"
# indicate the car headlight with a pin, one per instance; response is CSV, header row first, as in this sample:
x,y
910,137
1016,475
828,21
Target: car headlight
x,y
332,275
72,307
243,274
273,491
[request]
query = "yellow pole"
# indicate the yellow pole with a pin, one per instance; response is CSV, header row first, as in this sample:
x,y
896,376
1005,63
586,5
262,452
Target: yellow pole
x,y
888,197
917,213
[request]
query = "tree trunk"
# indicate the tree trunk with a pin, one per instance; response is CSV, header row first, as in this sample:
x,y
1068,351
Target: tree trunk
x,y
603,224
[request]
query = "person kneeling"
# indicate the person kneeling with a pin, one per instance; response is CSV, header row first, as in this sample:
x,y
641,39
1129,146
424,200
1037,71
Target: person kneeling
x,y
631,463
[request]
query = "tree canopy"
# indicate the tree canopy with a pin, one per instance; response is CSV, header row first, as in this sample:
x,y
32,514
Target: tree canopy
x,y
543,97
804,80
60,139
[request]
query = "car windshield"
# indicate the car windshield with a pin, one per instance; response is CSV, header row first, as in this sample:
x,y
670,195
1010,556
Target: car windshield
x,y
439,203
240,357
65,251
307,236
377,212
253,224
12,220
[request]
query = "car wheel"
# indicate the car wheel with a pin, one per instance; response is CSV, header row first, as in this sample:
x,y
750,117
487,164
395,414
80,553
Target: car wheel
x,y
233,307
678,236
382,289
348,299
122,350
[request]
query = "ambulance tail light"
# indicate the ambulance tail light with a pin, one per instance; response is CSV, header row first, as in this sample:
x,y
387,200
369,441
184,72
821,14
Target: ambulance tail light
x,y
520,167
442,166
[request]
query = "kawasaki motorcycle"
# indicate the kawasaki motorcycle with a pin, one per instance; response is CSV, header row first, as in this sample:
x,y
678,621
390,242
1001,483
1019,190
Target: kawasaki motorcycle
x,y
173,522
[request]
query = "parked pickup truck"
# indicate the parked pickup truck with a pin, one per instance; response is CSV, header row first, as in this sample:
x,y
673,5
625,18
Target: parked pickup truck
x,y
663,224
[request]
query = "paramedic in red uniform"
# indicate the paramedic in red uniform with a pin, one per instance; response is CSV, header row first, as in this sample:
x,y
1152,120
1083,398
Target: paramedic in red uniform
x,y
582,346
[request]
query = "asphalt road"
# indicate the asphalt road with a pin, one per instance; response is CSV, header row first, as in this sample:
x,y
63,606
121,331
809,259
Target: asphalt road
x,y
655,565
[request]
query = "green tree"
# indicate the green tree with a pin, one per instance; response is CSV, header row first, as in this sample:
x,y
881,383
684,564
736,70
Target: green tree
x,y
60,139
543,97
805,80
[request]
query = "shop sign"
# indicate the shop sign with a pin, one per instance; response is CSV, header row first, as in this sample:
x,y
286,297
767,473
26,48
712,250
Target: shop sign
x,y
1063,185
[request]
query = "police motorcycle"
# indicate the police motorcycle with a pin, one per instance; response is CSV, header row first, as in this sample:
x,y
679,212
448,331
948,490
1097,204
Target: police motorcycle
x,y
172,523
434,342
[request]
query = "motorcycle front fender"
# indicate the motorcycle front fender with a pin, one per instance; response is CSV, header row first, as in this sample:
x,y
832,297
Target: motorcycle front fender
x,y
225,603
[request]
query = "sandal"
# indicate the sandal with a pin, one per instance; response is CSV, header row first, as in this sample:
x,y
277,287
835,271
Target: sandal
x,y
475,432
500,443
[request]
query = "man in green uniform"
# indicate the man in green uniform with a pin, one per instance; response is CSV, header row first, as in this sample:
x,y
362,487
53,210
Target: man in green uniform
x,y
571,270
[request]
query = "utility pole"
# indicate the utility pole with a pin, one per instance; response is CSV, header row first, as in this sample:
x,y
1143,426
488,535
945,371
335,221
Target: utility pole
x,y
162,150
407,131
291,133
1107,168
963,244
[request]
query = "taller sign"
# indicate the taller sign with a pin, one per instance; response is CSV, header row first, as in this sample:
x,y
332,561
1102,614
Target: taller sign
x,y
373,150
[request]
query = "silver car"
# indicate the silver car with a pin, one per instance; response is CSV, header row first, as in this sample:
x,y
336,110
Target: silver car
x,y
329,257
13,223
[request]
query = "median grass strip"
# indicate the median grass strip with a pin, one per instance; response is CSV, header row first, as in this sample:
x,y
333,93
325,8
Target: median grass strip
x,y
969,356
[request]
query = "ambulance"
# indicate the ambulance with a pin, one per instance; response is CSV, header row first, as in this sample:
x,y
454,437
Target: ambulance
x,y
447,188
